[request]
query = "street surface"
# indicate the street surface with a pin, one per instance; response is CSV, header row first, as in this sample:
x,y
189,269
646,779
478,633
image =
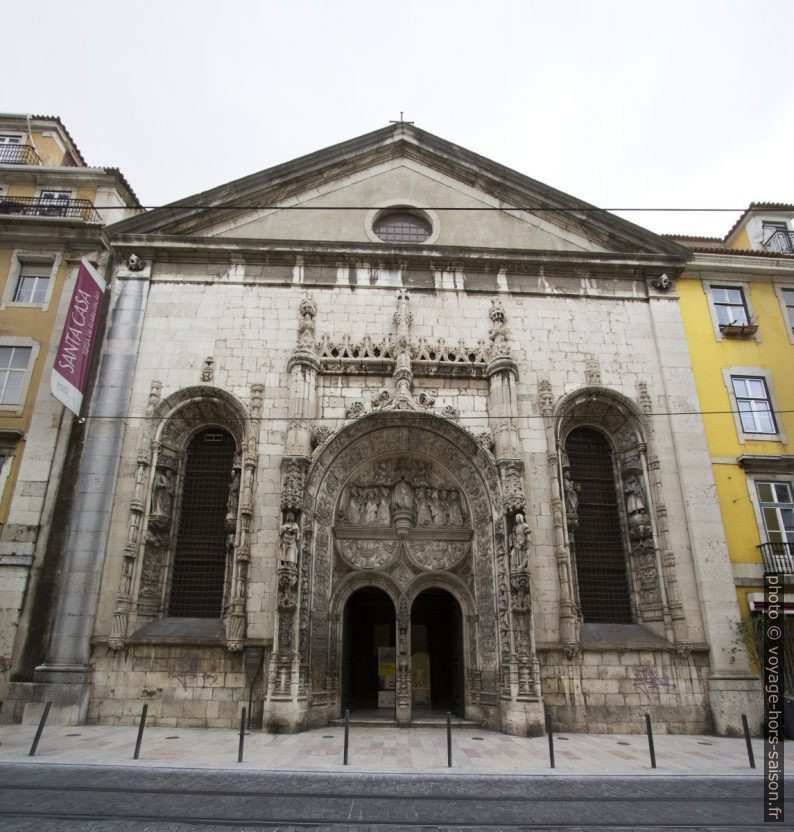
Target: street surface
x,y
40,797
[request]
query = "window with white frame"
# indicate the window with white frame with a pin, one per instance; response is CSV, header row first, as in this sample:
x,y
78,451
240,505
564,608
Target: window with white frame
x,y
777,508
33,282
14,363
730,306
55,203
754,404
788,303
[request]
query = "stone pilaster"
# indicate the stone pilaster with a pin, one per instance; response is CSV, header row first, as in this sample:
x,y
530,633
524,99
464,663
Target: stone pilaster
x,y
64,676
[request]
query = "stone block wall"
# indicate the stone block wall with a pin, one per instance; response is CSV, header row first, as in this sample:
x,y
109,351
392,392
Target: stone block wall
x,y
610,691
191,686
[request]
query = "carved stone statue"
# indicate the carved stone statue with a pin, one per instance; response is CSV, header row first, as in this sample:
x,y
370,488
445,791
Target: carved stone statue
x,y
571,497
403,497
635,499
423,516
498,332
519,544
384,511
163,493
288,535
308,309
455,509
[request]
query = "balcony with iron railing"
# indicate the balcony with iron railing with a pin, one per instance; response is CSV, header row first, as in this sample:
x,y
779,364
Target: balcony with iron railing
x,y
18,154
778,557
781,241
38,206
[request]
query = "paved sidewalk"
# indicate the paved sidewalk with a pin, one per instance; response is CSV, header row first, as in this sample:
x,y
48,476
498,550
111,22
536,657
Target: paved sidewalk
x,y
474,751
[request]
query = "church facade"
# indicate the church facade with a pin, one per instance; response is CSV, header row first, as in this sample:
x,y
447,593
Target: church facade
x,y
394,427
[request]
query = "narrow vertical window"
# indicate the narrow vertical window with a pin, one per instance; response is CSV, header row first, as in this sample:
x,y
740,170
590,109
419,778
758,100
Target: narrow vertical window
x,y
754,405
598,539
197,581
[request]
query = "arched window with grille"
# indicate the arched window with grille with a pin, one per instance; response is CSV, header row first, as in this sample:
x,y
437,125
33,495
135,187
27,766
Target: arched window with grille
x,y
598,542
198,574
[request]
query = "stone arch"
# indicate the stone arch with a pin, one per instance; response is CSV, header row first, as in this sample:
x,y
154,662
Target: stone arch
x,y
326,577
358,580
178,415
618,416
626,430
172,424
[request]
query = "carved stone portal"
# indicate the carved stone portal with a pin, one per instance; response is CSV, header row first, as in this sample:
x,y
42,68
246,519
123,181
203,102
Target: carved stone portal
x,y
404,501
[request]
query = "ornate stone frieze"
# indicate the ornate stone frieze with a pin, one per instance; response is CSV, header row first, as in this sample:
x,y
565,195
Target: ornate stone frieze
x,y
438,555
512,474
367,553
293,475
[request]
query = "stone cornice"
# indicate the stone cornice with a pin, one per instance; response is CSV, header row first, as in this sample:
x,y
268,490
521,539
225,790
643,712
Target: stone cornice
x,y
173,248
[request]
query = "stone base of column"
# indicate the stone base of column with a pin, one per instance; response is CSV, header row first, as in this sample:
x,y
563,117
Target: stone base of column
x,y
67,687
523,719
730,696
284,716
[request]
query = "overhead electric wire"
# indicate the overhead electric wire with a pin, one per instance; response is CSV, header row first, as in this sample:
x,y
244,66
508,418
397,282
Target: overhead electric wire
x,y
479,418
561,208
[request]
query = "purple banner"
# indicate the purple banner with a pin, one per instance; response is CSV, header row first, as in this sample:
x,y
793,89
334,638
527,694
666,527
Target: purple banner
x,y
73,359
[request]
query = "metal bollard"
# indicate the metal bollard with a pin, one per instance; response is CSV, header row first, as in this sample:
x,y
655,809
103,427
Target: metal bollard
x,y
747,740
649,731
550,734
39,730
242,737
140,732
449,740
347,734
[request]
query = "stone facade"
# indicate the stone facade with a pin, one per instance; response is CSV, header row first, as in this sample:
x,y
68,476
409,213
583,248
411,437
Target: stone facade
x,y
400,416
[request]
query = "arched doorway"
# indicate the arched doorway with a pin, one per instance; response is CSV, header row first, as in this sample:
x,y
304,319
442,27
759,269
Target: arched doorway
x,y
437,653
368,652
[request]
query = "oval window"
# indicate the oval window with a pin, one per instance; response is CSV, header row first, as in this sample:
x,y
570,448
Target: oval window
x,y
402,227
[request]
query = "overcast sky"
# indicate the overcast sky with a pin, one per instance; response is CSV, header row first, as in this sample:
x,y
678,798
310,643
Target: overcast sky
x,y
623,104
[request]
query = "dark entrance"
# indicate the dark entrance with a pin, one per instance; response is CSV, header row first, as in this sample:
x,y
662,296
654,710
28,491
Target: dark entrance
x,y
369,630
437,653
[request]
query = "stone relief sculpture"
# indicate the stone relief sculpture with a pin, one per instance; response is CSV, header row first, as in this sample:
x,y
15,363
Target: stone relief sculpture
x,y
401,490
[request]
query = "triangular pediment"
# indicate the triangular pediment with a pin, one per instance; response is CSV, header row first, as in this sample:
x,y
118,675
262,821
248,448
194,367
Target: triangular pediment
x,y
335,194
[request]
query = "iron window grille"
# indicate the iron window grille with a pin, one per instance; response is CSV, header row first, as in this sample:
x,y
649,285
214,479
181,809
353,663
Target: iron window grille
x,y
753,404
600,553
199,568
402,227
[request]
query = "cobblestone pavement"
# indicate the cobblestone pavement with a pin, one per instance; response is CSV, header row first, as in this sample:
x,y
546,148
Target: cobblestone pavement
x,y
384,749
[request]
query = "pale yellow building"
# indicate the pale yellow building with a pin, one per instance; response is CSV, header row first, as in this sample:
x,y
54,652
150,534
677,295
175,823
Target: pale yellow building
x,y
52,211
737,302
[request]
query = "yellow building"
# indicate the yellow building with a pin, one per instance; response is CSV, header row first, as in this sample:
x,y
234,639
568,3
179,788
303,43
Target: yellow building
x,y
737,301
52,211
